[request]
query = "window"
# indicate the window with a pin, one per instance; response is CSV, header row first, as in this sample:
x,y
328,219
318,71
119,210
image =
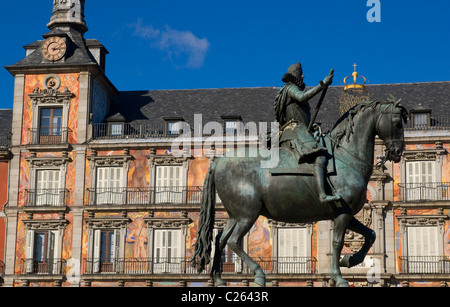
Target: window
x,y
106,250
168,184
109,189
423,250
420,120
292,251
50,125
292,242
116,129
173,128
40,254
231,126
50,109
166,251
422,241
47,188
420,179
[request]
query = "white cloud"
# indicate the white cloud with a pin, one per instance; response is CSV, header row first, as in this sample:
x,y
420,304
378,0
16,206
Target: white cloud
x,y
178,45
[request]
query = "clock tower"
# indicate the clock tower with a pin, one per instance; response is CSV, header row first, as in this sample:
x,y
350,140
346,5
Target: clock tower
x,y
68,13
60,90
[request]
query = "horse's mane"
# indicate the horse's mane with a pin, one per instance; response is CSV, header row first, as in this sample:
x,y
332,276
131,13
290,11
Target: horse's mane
x,y
344,126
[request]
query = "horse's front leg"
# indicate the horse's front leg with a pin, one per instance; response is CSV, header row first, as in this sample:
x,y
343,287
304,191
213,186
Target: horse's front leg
x,y
369,237
340,225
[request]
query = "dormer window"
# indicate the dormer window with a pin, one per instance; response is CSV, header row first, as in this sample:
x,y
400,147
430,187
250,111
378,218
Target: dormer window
x,y
116,124
421,118
231,123
116,129
231,126
173,128
174,125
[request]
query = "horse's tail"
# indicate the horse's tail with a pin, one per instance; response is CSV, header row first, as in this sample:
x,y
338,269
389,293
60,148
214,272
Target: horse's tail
x,y
202,252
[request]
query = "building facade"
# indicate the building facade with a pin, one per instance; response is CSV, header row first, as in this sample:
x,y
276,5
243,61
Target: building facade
x,y
104,188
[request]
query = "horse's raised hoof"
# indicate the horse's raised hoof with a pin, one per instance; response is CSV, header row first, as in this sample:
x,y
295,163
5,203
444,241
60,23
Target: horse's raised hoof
x,y
219,282
260,281
339,282
343,284
260,278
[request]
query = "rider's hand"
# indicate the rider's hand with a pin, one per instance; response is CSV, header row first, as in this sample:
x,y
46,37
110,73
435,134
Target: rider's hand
x,y
328,80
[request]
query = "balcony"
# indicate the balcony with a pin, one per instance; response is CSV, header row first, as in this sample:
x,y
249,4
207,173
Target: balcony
x,y
48,136
425,265
110,131
131,196
432,122
56,138
48,267
46,198
183,266
429,191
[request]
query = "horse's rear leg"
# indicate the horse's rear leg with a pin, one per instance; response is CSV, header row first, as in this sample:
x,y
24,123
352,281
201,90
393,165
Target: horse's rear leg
x,y
235,243
340,225
369,238
221,242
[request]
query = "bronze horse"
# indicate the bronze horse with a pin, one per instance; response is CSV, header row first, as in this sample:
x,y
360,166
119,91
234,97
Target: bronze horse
x,y
248,191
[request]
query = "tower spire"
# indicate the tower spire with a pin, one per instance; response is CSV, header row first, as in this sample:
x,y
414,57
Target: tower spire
x,y
68,13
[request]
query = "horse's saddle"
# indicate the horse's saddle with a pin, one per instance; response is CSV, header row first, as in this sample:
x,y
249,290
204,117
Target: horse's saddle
x,y
289,165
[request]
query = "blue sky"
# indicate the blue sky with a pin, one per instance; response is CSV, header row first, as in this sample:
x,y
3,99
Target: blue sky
x,y
221,44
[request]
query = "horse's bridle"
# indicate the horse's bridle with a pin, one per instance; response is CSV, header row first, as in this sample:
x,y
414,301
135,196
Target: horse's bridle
x,y
390,141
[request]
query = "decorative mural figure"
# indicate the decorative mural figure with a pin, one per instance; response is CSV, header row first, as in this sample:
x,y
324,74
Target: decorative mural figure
x,y
138,236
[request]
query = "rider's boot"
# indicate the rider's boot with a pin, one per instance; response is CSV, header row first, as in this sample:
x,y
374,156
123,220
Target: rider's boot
x,y
319,174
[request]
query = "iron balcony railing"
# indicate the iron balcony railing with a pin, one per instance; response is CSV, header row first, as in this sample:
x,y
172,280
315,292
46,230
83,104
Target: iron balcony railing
x,y
46,197
34,266
182,265
428,191
144,196
435,122
107,131
128,130
48,136
159,130
425,264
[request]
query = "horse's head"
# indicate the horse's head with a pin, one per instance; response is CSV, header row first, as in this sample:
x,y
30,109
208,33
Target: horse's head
x,y
389,128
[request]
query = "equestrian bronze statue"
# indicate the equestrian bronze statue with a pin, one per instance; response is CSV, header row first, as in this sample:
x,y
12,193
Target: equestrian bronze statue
x,y
318,178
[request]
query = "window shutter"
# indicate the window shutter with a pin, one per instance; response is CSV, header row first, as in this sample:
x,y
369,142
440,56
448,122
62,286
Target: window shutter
x,y
292,242
96,252
116,250
51,248
109,184
175,243
423,241
157,253
51,245
168,184
47,184
29,251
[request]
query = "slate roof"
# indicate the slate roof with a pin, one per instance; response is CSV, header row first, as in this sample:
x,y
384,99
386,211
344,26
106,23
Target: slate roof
x,y
256,104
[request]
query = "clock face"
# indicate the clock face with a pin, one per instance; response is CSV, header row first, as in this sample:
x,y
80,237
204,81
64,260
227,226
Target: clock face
x,y
54,48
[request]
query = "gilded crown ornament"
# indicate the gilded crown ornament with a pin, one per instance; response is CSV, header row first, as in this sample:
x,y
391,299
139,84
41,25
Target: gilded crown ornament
x,y
353,93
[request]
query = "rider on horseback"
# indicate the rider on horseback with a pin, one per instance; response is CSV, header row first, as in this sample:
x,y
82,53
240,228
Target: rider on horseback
x,y
294,115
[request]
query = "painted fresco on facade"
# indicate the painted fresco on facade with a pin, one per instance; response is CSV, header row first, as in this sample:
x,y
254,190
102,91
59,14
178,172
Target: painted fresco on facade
x,y
32,82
